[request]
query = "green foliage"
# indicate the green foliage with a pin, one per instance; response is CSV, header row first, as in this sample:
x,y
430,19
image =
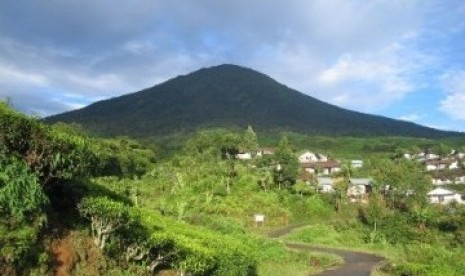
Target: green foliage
x,y
194,250
121,157
21,197
106,217
287,164
250,143
51,153
408,184
428,260
22,204
326,234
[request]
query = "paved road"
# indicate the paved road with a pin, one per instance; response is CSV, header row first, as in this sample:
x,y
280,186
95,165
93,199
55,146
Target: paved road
x,y
355,263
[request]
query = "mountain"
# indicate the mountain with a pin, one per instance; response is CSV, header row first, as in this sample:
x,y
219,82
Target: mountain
x,y
231,96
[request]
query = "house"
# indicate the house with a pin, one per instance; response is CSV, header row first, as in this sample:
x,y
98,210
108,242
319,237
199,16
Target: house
x,y
358,189
457,154
408,156
460,179
322,158
356,164
434,165
325,184
244,156
265,151
431,156
444,196
308,156
322,167
454,165
440,180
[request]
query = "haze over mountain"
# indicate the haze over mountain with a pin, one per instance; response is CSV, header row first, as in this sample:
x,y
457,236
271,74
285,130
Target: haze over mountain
x,y
231,96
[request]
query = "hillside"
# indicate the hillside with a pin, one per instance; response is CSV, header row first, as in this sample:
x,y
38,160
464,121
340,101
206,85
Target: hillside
x,y
231,96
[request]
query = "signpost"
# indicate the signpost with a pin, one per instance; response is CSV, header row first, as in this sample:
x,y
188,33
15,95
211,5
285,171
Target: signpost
x,y
259,220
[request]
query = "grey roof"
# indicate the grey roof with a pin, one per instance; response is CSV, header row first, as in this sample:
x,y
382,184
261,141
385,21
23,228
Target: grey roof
x,y
325,181
361,181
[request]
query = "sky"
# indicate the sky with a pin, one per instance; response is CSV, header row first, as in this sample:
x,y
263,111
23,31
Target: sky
x,y
404,59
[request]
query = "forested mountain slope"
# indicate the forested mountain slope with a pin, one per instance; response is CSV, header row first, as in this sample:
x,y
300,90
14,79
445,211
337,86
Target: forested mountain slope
x,y
231,96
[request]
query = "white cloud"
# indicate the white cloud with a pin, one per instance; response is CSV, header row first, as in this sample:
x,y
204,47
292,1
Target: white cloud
x,y
363,55
376,79
9,74
453,104
410,117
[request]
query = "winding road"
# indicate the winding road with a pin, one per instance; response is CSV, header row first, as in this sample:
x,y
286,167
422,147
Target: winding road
x,y
355,263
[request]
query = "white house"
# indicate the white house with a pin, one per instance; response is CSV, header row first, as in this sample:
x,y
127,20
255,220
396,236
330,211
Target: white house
x,y
454,165
356,164
322,168
308,156
439,181
431,156
359,187
444,196
244,156
460,179
457,154
358,190
265,151
322,158
325,184
434,165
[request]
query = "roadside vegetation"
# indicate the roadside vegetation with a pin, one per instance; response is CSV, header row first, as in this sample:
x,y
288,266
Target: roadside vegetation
x,y
84,205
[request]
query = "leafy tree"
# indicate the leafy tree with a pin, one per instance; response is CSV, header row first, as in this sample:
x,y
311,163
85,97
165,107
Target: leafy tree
x,y
301,188
342,182
441,149
287,165
407,183
264,179
230,145
121,157
106,216
250,142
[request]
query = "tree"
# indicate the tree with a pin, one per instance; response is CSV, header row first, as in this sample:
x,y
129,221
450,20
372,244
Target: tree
x,y
106,216
301,188
343,181
250,142
287,166
265,178
407,183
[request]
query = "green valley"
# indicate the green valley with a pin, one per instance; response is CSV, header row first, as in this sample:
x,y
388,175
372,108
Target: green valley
x,y
73,204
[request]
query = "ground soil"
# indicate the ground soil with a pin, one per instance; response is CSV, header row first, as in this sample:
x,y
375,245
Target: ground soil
x,y
64,256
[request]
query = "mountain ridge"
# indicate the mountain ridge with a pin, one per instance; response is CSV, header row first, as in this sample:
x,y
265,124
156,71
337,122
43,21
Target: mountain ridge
x,y
231,96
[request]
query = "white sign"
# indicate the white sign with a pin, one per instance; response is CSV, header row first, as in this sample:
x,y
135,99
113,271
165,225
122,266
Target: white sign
x,y
259,218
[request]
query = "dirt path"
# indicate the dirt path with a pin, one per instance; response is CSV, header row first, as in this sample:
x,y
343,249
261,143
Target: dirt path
x,y
355,263
64,257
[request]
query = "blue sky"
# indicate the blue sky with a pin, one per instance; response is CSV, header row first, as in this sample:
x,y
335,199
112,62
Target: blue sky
x,y
397,58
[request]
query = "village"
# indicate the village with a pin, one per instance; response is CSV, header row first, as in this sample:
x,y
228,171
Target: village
x,y
318,171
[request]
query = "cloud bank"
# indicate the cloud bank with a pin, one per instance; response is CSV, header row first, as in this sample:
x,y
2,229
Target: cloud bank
x,y
368,56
